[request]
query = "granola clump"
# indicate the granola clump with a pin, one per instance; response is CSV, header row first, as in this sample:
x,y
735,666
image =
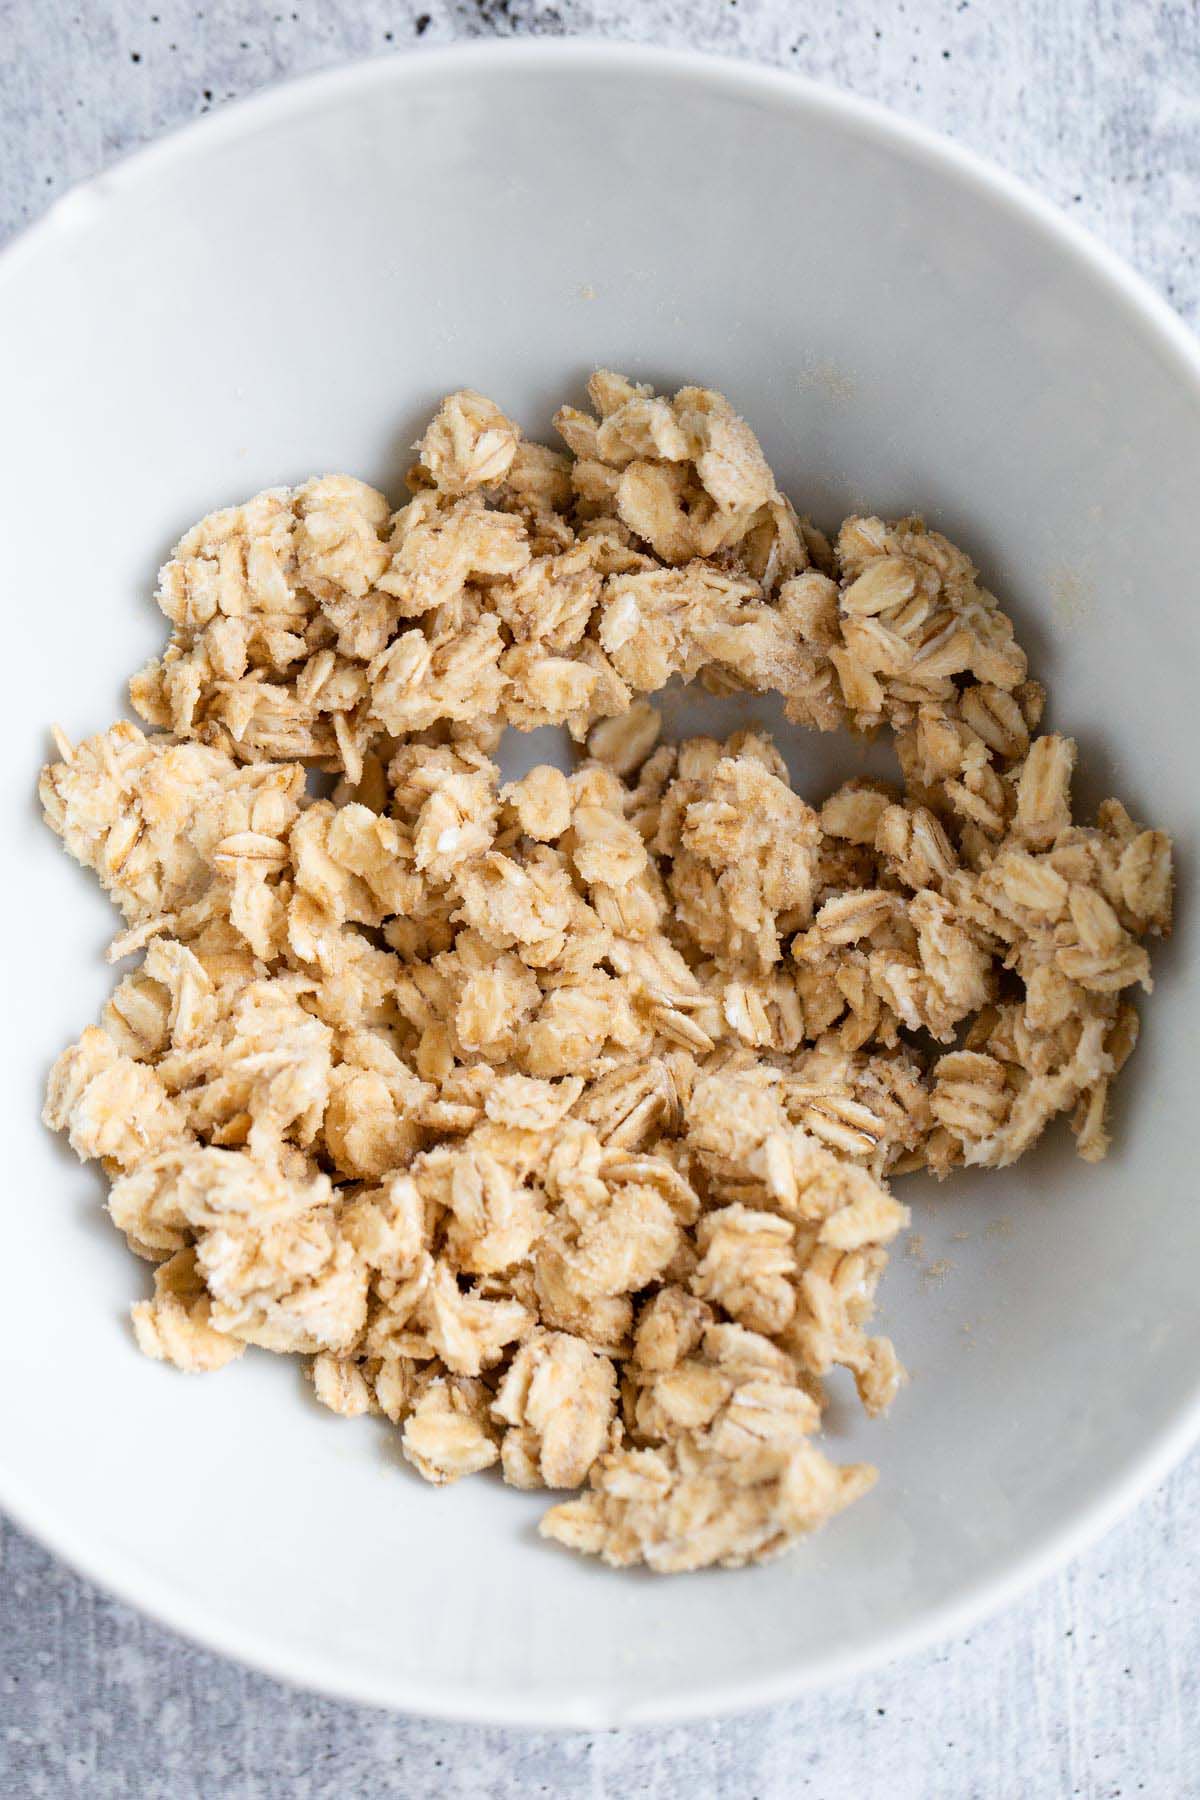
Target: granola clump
x,y
554,1120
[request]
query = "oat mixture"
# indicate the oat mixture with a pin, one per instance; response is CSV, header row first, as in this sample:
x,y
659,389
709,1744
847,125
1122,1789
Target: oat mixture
x,y
554,1120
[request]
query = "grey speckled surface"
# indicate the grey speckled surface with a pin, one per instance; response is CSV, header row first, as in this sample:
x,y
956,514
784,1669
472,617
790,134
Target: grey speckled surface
x,y
1090,1687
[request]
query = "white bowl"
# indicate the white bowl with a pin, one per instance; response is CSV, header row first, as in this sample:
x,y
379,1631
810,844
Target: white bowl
x,y
286,288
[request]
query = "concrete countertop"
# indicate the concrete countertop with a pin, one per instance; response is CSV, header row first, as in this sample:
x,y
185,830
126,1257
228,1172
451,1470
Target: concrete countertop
x,y
1090,1686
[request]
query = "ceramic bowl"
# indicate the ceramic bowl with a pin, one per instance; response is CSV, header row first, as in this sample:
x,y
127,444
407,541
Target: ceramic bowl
x,y
286,288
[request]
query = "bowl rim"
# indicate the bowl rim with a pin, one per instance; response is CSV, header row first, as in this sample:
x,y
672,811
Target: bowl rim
x,y
118,1573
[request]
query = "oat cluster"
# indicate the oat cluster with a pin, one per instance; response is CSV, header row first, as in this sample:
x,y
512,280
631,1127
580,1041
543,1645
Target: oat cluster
x,y
553,1119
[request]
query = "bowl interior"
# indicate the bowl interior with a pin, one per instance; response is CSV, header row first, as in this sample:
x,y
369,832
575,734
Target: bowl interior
x,y
288,292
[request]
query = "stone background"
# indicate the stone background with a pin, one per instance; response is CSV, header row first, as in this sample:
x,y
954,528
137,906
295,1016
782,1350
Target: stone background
x,y
1091,1687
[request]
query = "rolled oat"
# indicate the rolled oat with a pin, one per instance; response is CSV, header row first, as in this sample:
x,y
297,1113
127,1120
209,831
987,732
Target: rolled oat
x,y
554,1120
